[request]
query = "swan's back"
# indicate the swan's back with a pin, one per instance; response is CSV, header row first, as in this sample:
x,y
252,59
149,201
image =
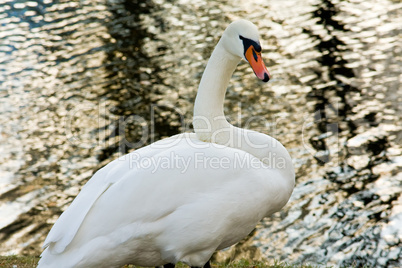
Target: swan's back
x,y
186,204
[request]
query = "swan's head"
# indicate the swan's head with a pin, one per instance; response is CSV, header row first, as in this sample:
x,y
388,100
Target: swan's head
x,y
241,38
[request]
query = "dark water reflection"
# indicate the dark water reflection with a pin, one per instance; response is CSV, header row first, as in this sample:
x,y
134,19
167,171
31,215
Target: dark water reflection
x,y
83,82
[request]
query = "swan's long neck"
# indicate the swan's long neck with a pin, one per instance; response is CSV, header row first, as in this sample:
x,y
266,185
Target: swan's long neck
x,y
210,123
208,108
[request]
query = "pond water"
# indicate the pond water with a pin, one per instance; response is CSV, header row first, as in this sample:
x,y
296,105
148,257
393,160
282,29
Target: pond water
x,y
83,82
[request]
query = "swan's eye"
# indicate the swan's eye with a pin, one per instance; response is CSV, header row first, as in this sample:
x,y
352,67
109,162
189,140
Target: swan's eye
x,y
248,42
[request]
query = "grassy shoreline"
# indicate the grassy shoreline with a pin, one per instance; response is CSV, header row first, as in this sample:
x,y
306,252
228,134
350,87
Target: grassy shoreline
x,y
31,261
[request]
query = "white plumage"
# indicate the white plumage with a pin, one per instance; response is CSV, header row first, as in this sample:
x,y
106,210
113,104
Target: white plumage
x,y
184,197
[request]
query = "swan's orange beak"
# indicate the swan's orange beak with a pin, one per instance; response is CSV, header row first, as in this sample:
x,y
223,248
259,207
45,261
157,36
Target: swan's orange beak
x,y
254,58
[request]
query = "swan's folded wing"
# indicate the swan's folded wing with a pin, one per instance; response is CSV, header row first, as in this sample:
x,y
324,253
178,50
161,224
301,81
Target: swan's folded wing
x,y
70,220
66,227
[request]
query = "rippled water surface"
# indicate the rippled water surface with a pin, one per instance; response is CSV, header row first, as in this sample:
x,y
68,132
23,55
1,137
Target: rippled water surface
x,y
82,82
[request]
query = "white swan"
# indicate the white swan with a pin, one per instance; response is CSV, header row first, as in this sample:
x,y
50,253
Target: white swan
x,y
184,197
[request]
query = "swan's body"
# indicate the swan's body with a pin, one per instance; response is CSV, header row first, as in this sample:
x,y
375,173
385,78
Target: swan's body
x,y
184,197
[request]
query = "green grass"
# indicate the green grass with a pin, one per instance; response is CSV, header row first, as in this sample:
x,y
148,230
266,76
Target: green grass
x,y
30,262
18,261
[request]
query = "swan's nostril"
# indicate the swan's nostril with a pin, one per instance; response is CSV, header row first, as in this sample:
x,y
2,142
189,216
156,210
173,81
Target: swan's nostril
x,y
255,55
